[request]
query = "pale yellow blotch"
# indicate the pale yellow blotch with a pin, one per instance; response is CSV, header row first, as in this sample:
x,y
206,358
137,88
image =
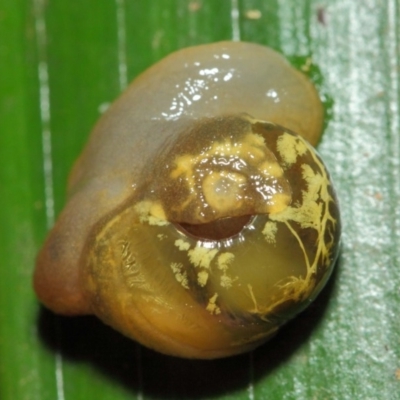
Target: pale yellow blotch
x,y
255,139
157,211
269,232
314,183
226,281
307,215
223,262
253,147
278,203
202,278
290,147
182,245
223,191
221,149
180,276
143,209
201,256
268,169
156,221
161,236
212,307
151,212
184,166
252,153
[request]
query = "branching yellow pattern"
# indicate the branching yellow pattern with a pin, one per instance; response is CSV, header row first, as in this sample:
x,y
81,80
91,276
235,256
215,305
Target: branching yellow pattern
x,y
313,213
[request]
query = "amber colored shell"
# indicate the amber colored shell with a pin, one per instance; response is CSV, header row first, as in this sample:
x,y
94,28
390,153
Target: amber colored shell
x,y
197,222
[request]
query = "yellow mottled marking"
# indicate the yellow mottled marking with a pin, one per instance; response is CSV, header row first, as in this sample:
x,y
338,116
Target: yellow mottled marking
x,y
278,203
314,183
254,139
212,306
313,212
254,154
182,245
202,278
157,211
308,214
201,256
151,212
222,149
180,276
253,147
226,281
223,262
268,168
184,165
269,231
290,147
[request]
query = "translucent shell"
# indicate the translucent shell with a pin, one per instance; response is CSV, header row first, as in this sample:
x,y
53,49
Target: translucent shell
x,y
194,225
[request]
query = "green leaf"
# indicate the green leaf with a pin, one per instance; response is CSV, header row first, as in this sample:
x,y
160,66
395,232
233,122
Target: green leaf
x,y
63,62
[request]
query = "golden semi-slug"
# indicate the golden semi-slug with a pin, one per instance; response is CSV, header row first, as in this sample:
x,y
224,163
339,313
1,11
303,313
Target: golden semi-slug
x,y
197,221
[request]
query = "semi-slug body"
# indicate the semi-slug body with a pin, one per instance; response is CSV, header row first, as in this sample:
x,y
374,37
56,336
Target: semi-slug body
x,y
197,221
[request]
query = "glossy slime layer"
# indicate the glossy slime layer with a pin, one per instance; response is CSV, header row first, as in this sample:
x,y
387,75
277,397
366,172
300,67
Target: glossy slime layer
x,y
197,221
